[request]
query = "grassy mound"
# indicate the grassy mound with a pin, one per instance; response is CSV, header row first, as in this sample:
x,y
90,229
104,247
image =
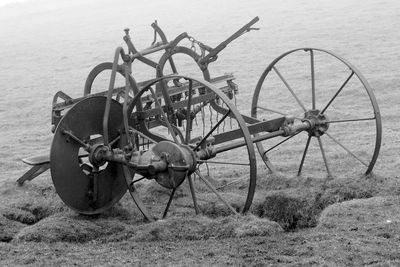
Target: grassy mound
x,y
80,229
373,213
298,202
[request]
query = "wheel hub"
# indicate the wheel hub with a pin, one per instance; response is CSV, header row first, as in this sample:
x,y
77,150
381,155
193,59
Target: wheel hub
x,y
318,121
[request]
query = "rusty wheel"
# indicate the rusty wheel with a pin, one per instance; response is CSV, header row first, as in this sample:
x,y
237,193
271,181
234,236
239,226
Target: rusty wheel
x,y
189,125
314,83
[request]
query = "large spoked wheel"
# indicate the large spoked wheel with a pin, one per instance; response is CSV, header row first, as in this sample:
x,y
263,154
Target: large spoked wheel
x,y
316,84
229,177
84,186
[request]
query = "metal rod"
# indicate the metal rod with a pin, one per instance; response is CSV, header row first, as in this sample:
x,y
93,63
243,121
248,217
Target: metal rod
x,y
135,196
278,144
169,203
137,180
216,192
231,183
164,116
347,150
277,112
324,156
271,110
337,93
193,193
304,155
254,140
109,95
212,130
312,78
142,135
289,88
220,162
79,141
350,120
149,51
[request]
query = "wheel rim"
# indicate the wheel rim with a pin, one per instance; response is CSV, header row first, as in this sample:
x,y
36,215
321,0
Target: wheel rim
x,y
154,131
349,107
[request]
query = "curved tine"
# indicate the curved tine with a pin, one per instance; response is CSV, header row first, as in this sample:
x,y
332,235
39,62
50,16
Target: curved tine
x,y
164,115
304,155
312,78
346,149
324,157
169,203
216,192
289,88
193,193
135,196
337,92
188,113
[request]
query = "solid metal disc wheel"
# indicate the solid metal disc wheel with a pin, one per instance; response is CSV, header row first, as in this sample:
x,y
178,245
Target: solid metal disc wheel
x,y
230,177
314,82
82,186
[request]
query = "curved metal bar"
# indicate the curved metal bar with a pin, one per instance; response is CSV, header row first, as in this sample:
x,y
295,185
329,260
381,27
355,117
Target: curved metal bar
x,y
106,116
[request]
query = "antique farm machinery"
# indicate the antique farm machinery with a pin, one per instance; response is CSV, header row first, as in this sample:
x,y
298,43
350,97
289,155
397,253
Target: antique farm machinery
x,y
174,127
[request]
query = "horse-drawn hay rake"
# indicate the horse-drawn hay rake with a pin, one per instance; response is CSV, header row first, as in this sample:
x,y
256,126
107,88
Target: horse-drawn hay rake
x,y
174,127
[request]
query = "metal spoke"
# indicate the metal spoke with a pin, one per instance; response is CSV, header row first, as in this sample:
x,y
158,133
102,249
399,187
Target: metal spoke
x,y
289,88
193,193
212,130
135,196
347,150
312,78
221,162
231,183
275,111
216,192
324,156
304,155
169,203
281,142
338,92
350,120
137,180
164,115
142,135
114,141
